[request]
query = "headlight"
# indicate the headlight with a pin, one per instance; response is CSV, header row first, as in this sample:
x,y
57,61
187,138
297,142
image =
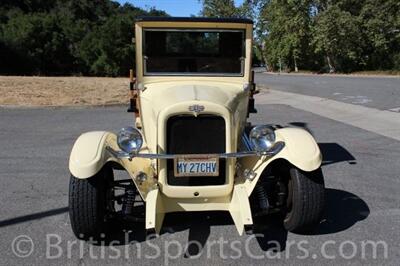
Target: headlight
x,y
130,140
262,138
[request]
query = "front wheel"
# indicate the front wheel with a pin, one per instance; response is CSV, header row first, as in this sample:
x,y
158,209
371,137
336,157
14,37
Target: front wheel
x,y
305,202
88,204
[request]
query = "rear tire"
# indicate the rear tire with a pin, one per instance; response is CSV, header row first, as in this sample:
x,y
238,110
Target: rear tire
x,y
88,204
305,200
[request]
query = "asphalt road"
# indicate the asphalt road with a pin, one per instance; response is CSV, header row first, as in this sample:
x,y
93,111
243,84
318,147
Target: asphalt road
x,y
377,92
362,179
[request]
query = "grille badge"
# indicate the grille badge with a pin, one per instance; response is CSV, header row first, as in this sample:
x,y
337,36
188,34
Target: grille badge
x,y
196,109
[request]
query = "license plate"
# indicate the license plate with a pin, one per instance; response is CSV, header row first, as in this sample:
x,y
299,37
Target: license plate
x,y
184,166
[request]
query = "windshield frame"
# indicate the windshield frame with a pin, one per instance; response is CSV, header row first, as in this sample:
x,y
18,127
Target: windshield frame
x,y
197,74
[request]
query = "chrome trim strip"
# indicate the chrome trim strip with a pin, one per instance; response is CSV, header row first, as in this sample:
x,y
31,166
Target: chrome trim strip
x,y
278,146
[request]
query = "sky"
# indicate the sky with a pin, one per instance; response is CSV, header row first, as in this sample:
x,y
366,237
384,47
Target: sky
x,y
177,8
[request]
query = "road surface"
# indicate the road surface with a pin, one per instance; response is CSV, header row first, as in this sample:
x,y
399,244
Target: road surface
x,y
376,92
362,178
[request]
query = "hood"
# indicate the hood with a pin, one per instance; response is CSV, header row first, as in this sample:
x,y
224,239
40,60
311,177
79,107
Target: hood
x,y
164,94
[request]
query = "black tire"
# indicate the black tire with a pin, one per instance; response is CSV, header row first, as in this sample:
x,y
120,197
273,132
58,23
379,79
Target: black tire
x,y
306,200
88,204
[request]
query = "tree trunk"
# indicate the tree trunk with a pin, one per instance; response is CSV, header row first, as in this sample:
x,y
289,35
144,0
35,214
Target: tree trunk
x,y
295,64
330,64
267,66
264,56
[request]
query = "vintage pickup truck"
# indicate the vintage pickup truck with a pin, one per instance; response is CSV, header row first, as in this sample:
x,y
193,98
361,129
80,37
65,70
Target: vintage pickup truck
x,y
190,147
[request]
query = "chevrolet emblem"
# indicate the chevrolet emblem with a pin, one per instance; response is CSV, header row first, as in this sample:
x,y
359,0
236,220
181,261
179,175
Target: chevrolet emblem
x,y
196,109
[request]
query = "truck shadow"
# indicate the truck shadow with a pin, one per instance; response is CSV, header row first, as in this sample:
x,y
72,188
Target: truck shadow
x,y
335,153
343,210
301,125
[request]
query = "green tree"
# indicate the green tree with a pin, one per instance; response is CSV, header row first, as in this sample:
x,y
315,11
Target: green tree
x,y
108,49
38,39
380,22
287,32
337,35
248,9
59,37
219,8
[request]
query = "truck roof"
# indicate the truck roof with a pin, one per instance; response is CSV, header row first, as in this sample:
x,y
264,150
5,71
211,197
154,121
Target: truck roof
x,y
196,19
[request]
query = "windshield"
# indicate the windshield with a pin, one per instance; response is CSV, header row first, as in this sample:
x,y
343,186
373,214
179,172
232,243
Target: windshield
x,y
193,52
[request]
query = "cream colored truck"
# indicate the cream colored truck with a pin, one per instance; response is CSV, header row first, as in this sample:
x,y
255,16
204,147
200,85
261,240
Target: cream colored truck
x,y
190,147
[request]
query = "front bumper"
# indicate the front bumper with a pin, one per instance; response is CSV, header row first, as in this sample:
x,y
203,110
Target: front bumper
x,y
278,146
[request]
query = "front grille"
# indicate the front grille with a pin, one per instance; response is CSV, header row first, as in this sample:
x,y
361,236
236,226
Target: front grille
x,y
203,134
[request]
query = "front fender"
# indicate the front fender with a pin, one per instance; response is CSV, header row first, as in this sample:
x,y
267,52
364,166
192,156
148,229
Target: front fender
x,y
301,150
88,154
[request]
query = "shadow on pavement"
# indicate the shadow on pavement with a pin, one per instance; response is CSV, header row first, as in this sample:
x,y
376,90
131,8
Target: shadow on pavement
x,y
198,224
301,125
342,210
270,234
335,153
33,216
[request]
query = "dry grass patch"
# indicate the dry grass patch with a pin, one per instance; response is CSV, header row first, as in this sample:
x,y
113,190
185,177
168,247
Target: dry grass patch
x,y
62,91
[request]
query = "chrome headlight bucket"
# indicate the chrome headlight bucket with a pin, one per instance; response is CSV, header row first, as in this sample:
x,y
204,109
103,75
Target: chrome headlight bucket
x,y
262,138
130,140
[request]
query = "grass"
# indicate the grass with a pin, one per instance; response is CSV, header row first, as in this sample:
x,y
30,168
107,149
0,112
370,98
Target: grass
x,y
63,91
